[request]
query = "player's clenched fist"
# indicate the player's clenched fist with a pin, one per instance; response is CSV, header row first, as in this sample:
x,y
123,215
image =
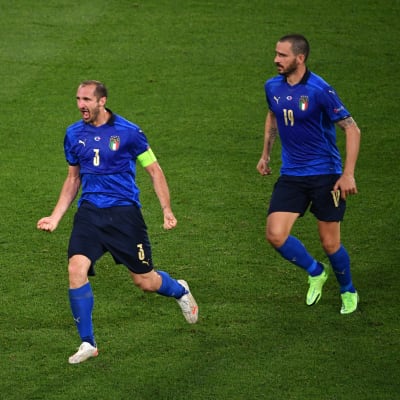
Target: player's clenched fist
x,y
47,224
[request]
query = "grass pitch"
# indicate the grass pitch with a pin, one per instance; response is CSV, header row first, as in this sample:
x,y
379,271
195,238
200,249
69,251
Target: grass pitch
x,y
191,74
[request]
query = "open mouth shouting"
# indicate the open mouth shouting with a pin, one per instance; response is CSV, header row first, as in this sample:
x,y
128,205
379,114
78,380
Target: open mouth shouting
x,y
85,114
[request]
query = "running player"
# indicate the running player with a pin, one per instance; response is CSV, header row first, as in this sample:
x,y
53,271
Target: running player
x,y
303,110
101,150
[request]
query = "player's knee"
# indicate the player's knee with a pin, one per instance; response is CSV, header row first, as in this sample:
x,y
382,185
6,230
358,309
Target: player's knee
x,y
330,246
78,271
77,276
275,238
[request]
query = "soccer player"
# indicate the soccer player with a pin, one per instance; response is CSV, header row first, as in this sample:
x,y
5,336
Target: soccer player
x,y
101,150
304,110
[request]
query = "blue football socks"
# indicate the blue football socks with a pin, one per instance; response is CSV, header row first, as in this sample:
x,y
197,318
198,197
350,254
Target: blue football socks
x,y
295,252
340,262
170,287
82,301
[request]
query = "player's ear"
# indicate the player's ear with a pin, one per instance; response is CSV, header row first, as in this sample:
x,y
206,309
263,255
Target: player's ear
x,y
301,58
103,101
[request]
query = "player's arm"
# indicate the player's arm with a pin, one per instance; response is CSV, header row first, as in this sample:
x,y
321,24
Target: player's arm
x,y
270,133
67,195
346,182
153,168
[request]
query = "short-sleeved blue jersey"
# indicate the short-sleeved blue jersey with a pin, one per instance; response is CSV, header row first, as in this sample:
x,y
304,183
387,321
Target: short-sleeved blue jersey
x,y
106,156
306,114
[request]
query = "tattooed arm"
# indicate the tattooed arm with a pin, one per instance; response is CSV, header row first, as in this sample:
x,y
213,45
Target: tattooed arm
x,y
271,131
346,182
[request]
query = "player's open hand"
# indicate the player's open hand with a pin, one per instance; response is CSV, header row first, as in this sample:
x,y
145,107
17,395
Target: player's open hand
x,y
47,224
169,219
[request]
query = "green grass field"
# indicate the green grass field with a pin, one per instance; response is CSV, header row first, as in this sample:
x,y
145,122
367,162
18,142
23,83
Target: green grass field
x,y
191,74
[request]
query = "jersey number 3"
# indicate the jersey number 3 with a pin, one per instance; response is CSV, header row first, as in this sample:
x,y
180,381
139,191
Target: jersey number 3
x,y
288,116
96,158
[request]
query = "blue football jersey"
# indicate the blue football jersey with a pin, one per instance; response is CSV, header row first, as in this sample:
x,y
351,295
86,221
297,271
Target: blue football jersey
x,y
106,156
306,114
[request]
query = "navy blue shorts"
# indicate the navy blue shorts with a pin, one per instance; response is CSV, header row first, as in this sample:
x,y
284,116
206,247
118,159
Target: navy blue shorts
x,y
296,193
121,231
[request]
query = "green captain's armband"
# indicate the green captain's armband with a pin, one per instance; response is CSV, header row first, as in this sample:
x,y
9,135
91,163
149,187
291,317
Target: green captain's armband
x,y
147,158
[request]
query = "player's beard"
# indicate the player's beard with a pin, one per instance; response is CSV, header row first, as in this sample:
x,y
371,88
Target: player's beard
x,y
90,116
289,70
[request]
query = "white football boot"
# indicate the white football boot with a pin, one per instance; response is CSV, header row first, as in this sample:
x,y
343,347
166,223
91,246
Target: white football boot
x,y
188,304
85,351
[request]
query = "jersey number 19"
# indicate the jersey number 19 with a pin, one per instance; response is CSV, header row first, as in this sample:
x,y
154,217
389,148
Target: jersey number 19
x,y
288,117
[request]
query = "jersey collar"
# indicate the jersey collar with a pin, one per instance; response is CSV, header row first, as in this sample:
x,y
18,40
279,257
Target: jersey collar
x,y
111,120
304,79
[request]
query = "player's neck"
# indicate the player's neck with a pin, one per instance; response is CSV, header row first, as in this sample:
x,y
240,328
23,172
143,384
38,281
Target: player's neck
x,y
102,118
296,76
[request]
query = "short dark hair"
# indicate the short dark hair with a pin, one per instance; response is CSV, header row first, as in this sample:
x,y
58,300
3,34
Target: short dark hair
x,y
100,89
299,44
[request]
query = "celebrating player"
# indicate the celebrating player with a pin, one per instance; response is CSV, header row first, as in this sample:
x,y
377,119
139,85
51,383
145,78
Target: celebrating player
x,y
101,151
304,109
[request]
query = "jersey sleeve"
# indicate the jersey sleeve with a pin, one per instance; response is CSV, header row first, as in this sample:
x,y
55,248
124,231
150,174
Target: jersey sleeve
x,y
70,156
267,92
138,143
334,106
